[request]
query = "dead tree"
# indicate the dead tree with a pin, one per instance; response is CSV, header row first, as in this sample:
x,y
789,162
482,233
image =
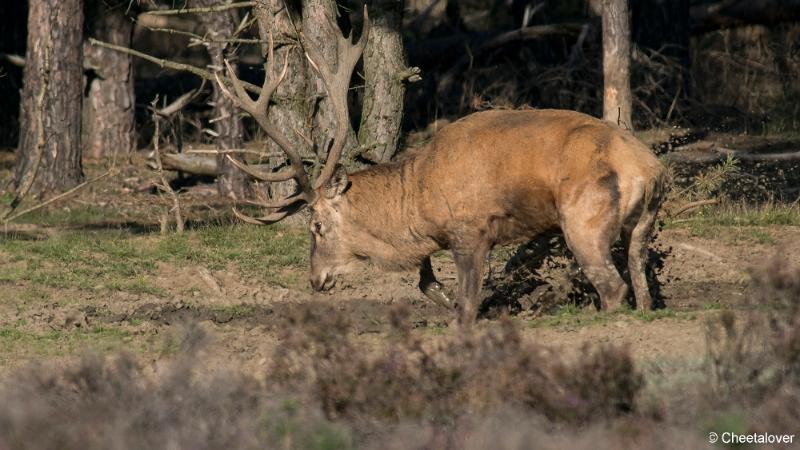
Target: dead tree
x,y
385,82
108,109
50,122
219,28
616,62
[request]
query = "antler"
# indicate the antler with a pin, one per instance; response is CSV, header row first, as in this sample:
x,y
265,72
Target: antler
x,y
336,81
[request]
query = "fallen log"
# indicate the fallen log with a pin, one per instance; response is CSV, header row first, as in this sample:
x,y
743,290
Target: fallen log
x,y
182,162
703,152
195,164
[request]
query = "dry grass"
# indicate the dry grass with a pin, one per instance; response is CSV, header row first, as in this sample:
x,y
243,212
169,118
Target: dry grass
x,y
477,372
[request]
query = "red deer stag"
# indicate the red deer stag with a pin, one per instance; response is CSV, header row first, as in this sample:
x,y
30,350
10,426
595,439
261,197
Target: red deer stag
x,y
490,178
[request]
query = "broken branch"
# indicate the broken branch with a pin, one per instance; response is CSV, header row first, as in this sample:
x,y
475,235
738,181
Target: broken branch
x,y
173,65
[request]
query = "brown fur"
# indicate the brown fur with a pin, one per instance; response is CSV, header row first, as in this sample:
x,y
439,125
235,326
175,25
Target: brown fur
x,y
497,177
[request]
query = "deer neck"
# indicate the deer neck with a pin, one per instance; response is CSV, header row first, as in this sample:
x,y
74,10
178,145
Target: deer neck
x,y
385,218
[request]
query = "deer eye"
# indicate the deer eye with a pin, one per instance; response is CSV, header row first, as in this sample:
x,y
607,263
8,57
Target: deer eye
x,y
317,227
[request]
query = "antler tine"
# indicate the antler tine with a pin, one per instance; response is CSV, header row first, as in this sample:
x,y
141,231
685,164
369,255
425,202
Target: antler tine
x,y
282,175
290,200
264,220
269,87
353,50
337,83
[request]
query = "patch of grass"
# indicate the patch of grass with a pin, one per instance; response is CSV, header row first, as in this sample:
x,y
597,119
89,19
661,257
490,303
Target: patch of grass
x,y
740,214
288,425
117,260
137,285
651,315
761,237
728,421
10,335
18,342
6,198
732,235
255,251
236,311
35,293
571,316
72,216
712,306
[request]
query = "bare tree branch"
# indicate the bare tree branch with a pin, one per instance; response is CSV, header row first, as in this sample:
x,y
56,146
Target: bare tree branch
x,y
209,9
111,171
164,186
200,72
180,102
15,60
197,39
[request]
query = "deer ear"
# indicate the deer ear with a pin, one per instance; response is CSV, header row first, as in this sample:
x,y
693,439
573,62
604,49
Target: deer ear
x,y
338,184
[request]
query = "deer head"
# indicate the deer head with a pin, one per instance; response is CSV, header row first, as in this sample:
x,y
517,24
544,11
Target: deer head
x,y
330,185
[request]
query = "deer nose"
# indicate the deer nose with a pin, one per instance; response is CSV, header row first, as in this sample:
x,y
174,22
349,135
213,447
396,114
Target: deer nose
x,y
323,282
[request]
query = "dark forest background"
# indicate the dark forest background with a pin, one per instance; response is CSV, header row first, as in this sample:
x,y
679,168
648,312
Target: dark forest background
x,y
740,76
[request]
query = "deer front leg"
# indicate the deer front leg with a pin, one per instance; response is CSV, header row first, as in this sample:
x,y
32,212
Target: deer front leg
x,y
469,267
431,287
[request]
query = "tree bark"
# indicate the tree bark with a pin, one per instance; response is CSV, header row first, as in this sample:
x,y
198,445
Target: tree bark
x,y
291,109
384,61
50,122
231,182
616,62
108,111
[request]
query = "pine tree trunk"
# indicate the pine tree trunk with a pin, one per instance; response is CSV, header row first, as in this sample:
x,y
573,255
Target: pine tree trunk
x,y
290,111
50,122
108,111
231,182
616,63
384,60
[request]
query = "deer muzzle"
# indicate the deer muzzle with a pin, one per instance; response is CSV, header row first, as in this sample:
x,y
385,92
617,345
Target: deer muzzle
x,y
323,282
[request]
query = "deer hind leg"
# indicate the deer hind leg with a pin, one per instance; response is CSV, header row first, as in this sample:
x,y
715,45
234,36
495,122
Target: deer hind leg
x,y
431,287
638,238
591,243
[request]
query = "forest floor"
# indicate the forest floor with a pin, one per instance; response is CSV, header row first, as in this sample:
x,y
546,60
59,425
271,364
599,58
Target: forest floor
x,y
93,274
